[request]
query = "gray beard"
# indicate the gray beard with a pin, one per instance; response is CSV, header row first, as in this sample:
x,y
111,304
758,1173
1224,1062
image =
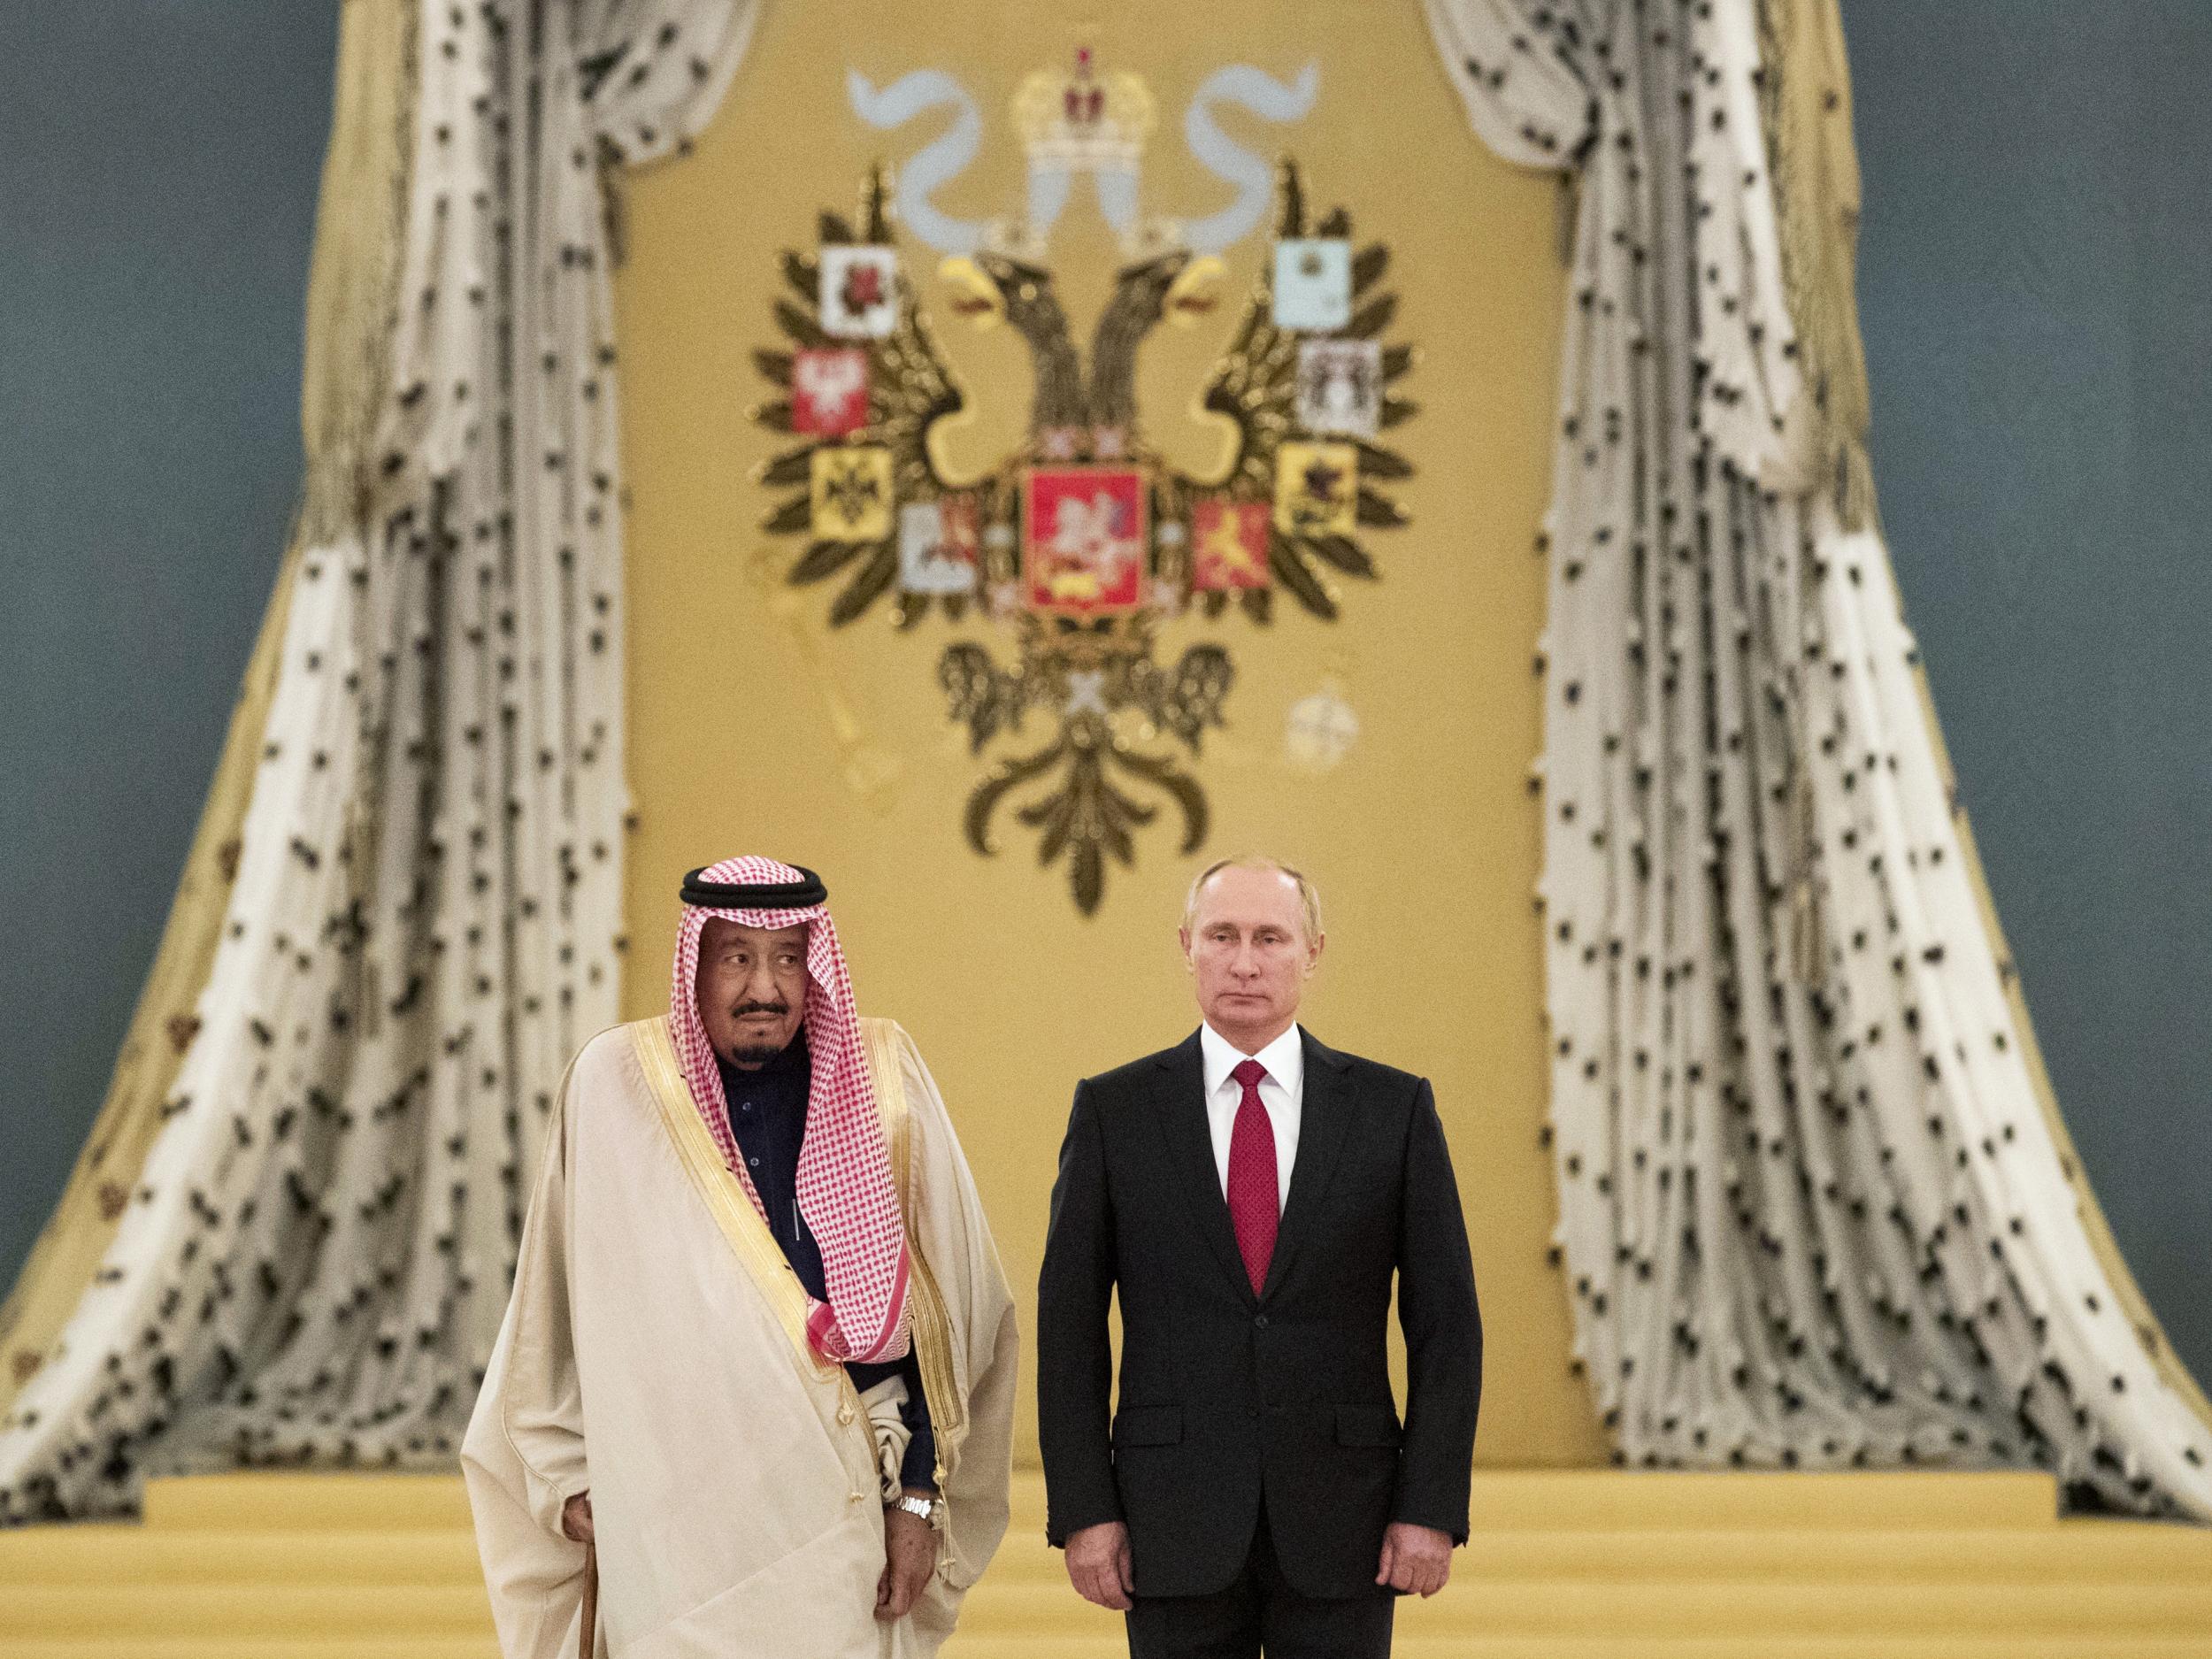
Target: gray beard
x,y
750,1053
756,1053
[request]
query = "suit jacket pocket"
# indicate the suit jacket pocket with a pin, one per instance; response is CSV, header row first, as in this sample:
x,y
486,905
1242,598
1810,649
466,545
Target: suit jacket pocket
x,y
1148,1426
1367,1425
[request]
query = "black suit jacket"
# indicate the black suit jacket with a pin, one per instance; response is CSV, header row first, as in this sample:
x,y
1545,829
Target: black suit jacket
x,y
1230,1400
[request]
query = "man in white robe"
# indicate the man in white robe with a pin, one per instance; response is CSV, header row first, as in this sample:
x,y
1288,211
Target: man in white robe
x,y
670,1417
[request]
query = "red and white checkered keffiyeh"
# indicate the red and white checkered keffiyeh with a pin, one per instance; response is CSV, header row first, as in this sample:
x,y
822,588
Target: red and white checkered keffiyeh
x,y
845,1187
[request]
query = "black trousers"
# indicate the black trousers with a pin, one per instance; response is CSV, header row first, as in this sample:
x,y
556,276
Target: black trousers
x,y
1261,1612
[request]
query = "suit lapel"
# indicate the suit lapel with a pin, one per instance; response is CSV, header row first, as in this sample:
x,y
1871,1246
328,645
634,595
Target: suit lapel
x,y
1179,1102
1324,1114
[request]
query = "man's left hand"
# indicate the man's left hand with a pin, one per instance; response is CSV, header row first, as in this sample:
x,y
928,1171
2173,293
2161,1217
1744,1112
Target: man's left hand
x,y
910,1556
1414,1559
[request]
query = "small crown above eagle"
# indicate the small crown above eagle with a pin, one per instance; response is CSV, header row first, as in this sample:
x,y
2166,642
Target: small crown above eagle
x,y
1083,121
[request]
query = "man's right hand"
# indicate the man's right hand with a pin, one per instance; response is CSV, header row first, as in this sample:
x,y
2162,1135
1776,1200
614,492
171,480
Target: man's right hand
x,y
1098,1564
576,1518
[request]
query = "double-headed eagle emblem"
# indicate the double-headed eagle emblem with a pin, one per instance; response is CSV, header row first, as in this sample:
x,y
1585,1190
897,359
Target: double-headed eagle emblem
x,y
1084,540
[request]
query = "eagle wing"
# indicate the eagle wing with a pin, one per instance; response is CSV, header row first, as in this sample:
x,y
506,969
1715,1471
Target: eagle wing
x,y
909,389
1255,385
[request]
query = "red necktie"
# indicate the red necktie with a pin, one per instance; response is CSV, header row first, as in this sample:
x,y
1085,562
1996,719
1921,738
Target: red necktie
x,y
1254,1197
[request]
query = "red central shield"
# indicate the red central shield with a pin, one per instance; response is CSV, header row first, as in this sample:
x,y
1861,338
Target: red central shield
x,y
1086,537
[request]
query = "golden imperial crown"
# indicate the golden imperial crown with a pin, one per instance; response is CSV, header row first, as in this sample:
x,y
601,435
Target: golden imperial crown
x,y
1083,121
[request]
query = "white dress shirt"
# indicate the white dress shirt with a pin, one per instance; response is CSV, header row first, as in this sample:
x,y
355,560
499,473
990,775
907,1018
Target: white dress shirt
x,y
1282,1092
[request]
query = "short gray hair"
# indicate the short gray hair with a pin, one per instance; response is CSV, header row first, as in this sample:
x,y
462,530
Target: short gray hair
x,y
1309,895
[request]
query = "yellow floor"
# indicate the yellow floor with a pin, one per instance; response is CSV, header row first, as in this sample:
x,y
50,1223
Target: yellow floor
x,y
1595,1565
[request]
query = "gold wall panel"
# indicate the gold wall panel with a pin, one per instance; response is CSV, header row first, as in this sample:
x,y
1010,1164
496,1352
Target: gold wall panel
x,y
754,728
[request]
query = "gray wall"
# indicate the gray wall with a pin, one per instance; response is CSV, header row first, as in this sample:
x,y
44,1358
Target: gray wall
x,y
2035,285
2035,289
156,206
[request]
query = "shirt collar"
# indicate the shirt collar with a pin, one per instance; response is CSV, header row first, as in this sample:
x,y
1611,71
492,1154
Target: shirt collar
x,y
1284,1058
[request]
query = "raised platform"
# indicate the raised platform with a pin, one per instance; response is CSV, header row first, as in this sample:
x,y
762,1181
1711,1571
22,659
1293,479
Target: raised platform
x,y
1565,1565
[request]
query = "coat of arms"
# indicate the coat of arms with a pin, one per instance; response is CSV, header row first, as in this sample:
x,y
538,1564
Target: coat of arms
x,y
1085,541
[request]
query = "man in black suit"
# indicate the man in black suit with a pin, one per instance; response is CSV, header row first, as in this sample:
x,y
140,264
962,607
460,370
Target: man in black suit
x,y
1250,1192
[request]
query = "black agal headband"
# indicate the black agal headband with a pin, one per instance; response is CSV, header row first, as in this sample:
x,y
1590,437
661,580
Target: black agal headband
x,y
759,895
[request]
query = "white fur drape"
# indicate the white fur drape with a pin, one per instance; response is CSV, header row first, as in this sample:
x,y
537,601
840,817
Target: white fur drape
x,y
1812,1212
425,920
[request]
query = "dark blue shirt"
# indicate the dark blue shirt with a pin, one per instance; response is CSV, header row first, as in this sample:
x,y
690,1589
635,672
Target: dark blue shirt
x,y
767,1108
